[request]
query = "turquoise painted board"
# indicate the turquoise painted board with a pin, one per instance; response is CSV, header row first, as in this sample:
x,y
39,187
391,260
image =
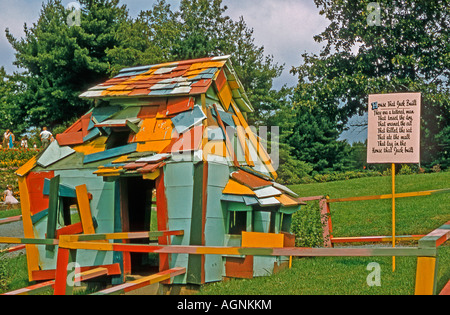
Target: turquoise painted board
x,y
111,153
218,174
250,201
39,216
128,112
92,134
237,206
261,220
215,207
214,236
64,190
227,118
263,265
186,120
102,209
233,198
53,208
101,114
179,202
179,174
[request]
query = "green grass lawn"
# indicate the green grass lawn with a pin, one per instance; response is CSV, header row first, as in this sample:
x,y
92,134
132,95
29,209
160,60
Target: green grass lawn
x,y
415,215
348,275
342,275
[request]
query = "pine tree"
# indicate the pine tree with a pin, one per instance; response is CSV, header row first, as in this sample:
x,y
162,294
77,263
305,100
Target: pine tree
x,y
59,61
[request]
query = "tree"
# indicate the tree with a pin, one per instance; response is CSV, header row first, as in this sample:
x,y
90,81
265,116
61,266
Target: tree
x,y
315,141
8,110
406,49
206,31
61,61
148,39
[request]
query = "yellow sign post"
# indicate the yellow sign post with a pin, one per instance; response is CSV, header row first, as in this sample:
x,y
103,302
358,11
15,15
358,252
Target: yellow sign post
x,y
394,135
393,213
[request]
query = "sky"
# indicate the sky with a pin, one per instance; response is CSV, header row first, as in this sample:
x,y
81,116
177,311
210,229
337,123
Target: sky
x,y
284,27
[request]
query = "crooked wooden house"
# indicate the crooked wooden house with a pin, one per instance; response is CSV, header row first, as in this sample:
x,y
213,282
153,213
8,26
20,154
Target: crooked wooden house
x,y
169,142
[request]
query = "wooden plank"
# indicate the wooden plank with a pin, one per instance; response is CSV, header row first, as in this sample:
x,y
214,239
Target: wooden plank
x,y
32,250
34,289
325,218
184,121
267,192
374,239
53,207
13,249
286,201
178,105
426,280
437,237
111,153
27,167
40,287
11,219
34,241
268,202
54,153
239,267
250,180
262,240
64,190
225,95
234,188
262,251
389,196
230,149
94,133
84,209
70,230
446,290
65,256
44,275
72,138
85,122
243,141
260,149
141,283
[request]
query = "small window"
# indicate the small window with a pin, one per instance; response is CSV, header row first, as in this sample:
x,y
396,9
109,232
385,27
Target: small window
x,y
118,138
286,222
237,222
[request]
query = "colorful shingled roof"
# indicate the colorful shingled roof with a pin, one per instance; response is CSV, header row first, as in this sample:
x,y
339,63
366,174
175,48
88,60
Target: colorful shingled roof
x,y
189,77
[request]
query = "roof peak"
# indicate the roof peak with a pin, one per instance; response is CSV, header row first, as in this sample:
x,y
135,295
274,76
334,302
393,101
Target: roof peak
x,y
126,71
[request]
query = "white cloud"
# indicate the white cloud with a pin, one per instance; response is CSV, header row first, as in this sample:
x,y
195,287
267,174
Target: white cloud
x,y
284,27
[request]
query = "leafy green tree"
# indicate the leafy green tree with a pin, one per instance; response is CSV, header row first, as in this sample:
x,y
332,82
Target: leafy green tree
x,y
207,31
60,61
314,140
400,46
148,39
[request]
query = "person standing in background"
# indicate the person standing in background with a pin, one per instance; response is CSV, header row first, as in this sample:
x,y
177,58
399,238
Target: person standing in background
x,y
12,138
45,137
6,138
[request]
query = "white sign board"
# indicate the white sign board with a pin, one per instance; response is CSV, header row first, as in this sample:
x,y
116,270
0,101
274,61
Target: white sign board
x,y
394,128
